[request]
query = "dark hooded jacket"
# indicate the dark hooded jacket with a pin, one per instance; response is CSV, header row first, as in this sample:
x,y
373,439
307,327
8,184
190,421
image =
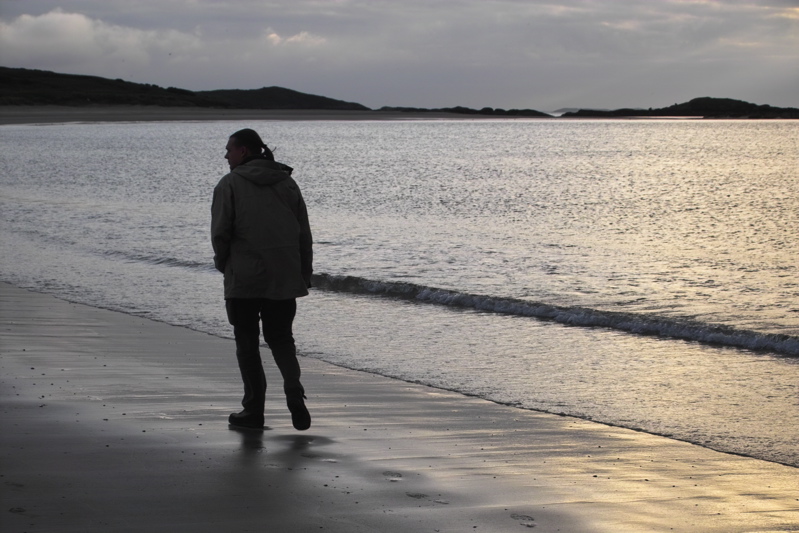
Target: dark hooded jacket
x,y
260,232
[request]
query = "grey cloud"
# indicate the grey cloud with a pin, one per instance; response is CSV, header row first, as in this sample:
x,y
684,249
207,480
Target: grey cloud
x,y
429,54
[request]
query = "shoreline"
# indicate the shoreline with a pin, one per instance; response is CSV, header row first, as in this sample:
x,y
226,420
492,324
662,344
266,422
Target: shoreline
x,y
148,401
54,114
46,114
64,114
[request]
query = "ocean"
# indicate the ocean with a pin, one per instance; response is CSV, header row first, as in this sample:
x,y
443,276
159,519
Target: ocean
x,y
637,273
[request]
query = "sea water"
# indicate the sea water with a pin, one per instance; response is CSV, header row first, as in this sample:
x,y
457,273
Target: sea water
x,y
638,273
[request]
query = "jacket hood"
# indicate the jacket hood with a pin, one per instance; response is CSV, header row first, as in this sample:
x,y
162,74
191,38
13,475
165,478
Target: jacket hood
x,y
262,171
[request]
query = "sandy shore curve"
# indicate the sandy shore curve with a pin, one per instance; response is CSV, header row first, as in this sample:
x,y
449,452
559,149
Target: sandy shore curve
x,y
112,422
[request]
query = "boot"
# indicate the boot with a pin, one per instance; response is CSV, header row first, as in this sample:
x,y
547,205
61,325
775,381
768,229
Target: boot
x,y
300,417
247,420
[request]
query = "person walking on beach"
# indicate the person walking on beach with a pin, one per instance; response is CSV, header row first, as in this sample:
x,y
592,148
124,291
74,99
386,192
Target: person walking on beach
x,y
262,244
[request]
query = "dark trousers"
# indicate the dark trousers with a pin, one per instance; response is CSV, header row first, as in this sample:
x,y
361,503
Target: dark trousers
x,y
276,316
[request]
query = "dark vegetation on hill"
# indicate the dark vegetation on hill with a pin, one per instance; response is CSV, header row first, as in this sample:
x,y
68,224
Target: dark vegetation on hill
x,y
489,111
37,87
698,107
277,98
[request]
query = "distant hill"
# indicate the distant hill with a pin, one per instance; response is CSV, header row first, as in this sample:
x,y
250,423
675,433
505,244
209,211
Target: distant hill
x,y
277,98
564,110
20,86
459,110
698,107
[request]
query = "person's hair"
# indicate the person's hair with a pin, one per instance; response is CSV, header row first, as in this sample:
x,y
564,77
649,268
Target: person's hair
x,y
252,141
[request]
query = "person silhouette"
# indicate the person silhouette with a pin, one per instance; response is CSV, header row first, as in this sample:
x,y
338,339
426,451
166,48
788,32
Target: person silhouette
x,y
262,243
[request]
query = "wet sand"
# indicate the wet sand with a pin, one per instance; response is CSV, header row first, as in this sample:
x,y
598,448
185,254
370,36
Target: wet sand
x,y
117,423
60,114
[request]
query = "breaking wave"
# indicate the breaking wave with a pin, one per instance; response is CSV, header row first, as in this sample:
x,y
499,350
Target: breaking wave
x,y
637,324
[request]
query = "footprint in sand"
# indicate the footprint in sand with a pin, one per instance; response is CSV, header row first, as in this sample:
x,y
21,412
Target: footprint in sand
x,y
421,496
392,476
525,520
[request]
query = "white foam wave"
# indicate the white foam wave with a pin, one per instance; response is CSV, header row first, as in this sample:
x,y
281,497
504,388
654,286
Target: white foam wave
x,y
634,323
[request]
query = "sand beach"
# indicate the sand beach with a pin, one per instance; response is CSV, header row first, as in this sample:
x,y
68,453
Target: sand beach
x,y
58,114
111,422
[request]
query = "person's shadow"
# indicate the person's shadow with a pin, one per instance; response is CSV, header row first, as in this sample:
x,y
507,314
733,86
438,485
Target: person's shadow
x,y
252,440
296,449
300,449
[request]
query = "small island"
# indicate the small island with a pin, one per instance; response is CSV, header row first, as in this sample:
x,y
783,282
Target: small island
x,y
705,107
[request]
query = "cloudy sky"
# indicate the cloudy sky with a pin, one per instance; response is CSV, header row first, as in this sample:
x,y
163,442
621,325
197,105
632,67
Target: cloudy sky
x,y
425,53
